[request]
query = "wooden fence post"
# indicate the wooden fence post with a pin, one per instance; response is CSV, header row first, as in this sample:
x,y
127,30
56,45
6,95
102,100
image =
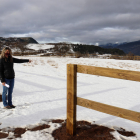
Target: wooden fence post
x,y
71,98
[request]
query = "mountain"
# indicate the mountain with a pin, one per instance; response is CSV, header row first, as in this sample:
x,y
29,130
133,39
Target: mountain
x,y
127,47
133,47
15,41
28,40
111,45
28,44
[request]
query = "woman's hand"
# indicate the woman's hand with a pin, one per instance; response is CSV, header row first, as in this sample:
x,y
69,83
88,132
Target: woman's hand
x,y
30,61
3,83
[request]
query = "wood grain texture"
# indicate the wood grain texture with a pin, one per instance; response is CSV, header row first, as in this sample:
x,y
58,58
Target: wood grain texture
x,y
71,98
115,111
108,72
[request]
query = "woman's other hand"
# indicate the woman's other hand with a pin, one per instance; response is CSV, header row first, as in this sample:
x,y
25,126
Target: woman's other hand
x,y
3,83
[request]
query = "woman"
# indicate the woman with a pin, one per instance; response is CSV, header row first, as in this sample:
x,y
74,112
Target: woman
x,y
7,75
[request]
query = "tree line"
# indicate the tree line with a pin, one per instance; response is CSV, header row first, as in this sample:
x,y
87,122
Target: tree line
x,y
83,49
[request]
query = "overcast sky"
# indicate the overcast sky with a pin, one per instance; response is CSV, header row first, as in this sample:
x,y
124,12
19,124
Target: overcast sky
x,y
82,21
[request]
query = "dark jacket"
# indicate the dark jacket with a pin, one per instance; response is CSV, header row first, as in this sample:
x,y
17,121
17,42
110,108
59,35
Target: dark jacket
x,y
6,68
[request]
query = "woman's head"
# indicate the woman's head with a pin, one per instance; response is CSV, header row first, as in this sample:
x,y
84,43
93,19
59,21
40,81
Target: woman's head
x,y
6,52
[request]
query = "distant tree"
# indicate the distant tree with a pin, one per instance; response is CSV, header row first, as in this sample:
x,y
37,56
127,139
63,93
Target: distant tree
x,y
56,48
130,54
64,49
61,48
22,47
83,49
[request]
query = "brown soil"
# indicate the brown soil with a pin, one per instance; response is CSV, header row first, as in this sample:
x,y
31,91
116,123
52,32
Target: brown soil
x,y
19,131
57,121
3,135
41,127
125,133
84,131
88,131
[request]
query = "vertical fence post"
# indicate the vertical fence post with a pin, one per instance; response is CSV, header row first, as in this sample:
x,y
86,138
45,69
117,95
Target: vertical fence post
x,y
71,98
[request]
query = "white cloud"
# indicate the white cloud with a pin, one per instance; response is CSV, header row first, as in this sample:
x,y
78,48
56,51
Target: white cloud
x,y
96,44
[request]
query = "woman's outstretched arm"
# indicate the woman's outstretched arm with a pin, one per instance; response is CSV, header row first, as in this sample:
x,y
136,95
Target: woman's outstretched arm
x,y
16,60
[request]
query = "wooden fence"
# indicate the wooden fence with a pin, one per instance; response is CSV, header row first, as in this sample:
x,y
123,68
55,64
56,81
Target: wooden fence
x,y
126,57
73,100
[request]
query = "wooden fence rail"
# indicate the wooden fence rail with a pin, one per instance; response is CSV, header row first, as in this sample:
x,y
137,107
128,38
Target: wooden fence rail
x,y
73,100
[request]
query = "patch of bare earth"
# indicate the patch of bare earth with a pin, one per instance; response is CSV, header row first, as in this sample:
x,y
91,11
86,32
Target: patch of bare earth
x,y
3,135
40,127
87,131
84,131
19,131
125,133
57,121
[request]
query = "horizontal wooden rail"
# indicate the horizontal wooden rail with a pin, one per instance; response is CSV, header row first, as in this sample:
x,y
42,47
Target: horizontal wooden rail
x,y
115,111
108,72
73,100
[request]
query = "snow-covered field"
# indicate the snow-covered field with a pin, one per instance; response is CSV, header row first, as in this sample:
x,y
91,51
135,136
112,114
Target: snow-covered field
x,y
39,46
40,94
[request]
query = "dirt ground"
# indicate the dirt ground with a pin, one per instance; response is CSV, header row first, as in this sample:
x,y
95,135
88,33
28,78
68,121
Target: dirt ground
x,y
88,131
84,131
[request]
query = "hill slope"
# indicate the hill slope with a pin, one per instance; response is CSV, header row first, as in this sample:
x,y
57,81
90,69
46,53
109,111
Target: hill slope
x,y
133,47
15,41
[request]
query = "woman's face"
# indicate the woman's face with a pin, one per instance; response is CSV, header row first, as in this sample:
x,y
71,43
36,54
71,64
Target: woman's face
x,y
7,53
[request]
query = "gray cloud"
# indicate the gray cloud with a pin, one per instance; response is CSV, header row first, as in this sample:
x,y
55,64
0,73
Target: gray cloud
x,y
84,21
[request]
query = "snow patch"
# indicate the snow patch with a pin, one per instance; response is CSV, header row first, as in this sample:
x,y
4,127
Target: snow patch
x,y
39,46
